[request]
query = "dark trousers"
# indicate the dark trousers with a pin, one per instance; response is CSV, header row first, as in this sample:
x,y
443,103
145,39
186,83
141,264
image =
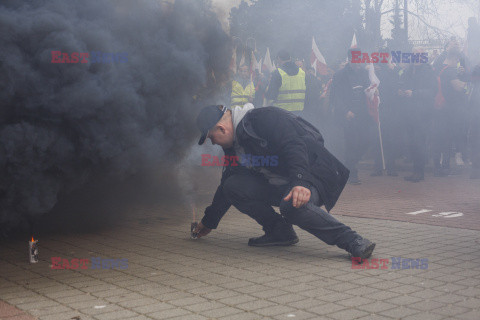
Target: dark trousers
x,y
253,195
475,139
357,136
442,138
417,139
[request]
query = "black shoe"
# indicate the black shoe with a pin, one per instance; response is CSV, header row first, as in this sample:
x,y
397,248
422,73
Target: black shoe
x,y
376,173
475,174
269,240
362,248
416,177
392,173
439,172
282,234
354,181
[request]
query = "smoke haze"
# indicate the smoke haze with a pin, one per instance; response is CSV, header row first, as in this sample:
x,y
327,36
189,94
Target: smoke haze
x,y
64,125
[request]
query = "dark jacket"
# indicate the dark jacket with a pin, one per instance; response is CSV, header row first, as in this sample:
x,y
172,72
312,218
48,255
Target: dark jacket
x,y
474,99
421,80
302,157
348,94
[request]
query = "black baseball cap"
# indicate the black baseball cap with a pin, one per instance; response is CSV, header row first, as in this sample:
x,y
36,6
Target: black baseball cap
x,y
208,118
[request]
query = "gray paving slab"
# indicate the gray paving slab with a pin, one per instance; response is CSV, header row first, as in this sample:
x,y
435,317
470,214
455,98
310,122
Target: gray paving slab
x,y
170,276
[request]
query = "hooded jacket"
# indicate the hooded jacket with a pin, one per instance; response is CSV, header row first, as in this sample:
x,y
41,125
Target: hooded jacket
x,y
302,158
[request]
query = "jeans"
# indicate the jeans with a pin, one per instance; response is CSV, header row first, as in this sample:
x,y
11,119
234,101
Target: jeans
x,y
253,195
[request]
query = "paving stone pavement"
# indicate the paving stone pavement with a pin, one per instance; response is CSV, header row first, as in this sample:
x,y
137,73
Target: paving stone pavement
x,y
170,276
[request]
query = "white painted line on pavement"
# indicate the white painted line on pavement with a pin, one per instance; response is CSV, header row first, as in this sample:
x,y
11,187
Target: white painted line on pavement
x,y
419,211
448,214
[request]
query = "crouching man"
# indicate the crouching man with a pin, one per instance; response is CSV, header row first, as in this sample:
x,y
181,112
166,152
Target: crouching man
x,y
305,177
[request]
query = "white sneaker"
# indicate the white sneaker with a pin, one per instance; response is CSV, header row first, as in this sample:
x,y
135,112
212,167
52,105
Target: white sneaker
x,y
458,159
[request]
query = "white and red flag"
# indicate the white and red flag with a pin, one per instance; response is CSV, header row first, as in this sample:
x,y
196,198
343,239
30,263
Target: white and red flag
x,y
373,98
317,61
354,42
267,65
254,64
233,61
242,59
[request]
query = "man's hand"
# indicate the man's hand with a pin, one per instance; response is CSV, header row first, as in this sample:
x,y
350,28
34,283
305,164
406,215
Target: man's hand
x,y
350,115
300,195
201,230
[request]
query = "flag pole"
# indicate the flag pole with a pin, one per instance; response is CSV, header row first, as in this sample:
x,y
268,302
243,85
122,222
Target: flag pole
x,y
381,142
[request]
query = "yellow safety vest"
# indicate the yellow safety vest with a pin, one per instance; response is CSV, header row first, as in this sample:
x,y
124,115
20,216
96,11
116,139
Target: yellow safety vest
x,y
291,95
239,95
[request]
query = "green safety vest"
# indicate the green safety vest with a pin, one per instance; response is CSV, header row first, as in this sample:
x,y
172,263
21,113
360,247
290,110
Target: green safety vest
x,y
291,95
239,95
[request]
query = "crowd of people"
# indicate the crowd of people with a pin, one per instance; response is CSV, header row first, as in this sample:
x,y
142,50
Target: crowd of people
x,y
428,112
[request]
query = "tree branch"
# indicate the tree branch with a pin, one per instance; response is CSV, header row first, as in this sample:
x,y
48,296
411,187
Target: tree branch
x,y
387,11
430,26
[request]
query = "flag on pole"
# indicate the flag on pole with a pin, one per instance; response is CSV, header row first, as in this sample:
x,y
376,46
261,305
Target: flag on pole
x,y
267,66
233,61
353,45
373,102
354,42
254,64
373,99
242,59
317,60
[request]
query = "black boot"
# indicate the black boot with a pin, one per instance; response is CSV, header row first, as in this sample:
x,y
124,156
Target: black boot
x,y
362,248
439,172
353,179
281,234
416,177
475,174
376,173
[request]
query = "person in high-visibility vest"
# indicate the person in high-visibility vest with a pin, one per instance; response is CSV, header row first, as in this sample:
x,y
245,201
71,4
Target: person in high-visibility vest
x,y
287,86
243,89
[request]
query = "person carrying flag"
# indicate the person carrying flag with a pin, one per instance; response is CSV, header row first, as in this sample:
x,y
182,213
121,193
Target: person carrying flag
x,y
350,109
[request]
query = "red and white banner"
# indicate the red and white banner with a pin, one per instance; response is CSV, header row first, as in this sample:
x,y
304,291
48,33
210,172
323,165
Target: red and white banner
x,y
317,61
268,65
233,61
373,98
354,42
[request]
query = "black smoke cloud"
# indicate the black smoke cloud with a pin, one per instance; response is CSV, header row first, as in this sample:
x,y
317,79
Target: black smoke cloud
x,y
63,125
